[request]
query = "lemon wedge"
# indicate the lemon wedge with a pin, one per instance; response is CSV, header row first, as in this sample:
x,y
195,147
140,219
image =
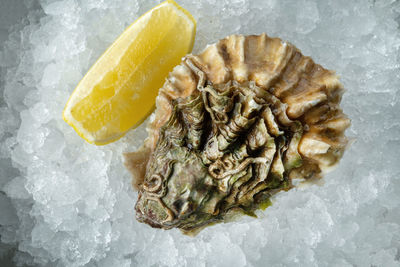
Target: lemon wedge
x,y
119,91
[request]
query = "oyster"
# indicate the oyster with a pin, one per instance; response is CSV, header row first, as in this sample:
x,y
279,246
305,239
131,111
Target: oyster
x,y
233,126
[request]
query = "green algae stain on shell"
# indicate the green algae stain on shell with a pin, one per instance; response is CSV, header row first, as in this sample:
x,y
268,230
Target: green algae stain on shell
x,y
235,125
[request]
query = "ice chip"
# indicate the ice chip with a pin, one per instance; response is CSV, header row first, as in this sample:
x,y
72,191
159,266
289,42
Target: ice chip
x,y
51,75
8,212
16,188
40,113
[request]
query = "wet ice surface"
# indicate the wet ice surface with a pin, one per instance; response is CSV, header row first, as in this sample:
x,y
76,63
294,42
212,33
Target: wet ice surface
x,y
67,203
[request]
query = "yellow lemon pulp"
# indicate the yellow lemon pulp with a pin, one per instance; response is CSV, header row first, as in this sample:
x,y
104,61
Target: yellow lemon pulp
x,y
119,90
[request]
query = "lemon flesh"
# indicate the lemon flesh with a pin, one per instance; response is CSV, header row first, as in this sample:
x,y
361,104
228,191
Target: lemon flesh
x,y
119,90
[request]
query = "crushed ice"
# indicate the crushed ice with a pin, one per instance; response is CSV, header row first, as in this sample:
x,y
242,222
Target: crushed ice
x,y
67,203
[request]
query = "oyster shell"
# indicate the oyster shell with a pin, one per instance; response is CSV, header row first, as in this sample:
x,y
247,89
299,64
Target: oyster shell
x,y
233,126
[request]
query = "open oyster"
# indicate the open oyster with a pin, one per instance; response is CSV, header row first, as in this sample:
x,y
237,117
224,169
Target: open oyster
x,y
233,126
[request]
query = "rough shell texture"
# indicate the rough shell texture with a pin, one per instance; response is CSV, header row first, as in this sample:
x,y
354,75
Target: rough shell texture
x,y
233,126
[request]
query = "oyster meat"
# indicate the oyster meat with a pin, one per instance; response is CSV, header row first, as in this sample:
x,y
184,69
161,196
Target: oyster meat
x,y
233,126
